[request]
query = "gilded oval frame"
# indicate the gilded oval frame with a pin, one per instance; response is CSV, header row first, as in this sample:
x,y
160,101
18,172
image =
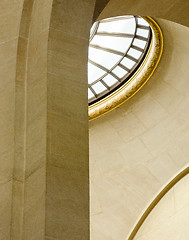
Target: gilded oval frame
x,y
137,81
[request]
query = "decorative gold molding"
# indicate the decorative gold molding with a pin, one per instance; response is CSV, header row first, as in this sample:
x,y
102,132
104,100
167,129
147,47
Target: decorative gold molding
x,y
156,200
137,81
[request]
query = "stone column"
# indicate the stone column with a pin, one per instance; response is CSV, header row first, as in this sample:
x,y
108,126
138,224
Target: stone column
x,y
10,13
29,175
67,205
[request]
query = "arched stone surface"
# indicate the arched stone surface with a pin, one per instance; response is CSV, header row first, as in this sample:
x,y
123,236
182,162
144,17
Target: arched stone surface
x,y
29,173
138,147
176,11
10,14
169,218
157,199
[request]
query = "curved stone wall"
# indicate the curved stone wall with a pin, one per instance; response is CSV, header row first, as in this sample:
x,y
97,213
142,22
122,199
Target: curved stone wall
x,y
10,15
138,147
29,172
169,218
176,11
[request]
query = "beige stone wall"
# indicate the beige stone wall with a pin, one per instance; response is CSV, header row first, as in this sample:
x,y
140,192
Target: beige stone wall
x,y
67,209
29,175
169,219
10,14
138,147
176,11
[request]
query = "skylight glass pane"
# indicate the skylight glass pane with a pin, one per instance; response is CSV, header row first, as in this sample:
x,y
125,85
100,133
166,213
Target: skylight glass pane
x,y
110,80
134,53
120,72
127,62
94,73
118,26
139,43
142,32
93,27
141,21
99,87
90,94
106,59
117,43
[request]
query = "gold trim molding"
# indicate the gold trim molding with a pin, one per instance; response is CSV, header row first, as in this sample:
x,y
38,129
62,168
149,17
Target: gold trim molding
x,y
156,200
137,81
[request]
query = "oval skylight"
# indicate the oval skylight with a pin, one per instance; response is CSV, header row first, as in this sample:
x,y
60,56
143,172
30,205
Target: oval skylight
x,y
116,49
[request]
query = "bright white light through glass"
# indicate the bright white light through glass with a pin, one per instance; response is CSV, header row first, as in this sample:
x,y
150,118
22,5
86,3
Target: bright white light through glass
x,y
90,94
141,21
109,80
117,43
128,63
94,73
142,32
116,48
139,43
134,53
99,87
106,59
120,72
119,26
